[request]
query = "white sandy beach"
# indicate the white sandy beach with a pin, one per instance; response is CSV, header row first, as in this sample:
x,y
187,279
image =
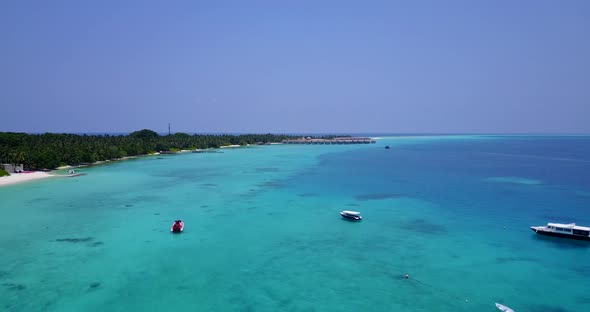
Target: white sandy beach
x,y
23,177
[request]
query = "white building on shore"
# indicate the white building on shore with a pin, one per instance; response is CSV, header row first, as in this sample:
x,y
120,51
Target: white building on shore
x,y
10,168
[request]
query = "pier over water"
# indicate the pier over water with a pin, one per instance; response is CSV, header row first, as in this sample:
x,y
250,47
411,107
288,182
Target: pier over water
x,y
339,140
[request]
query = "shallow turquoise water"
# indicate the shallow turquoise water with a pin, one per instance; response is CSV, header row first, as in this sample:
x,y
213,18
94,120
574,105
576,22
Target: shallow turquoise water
x,y
263,231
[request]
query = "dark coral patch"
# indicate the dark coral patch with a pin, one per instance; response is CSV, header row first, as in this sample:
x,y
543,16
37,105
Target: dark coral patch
x,y
501,260
548,308
74,240
263,170
424,227
12,286
271,184
376,196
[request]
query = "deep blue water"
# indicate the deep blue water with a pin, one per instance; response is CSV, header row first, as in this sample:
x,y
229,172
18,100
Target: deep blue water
x,y
456,171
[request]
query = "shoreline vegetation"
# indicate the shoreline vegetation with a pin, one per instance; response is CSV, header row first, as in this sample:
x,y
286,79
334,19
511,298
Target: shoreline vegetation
x,y
50,151
42,153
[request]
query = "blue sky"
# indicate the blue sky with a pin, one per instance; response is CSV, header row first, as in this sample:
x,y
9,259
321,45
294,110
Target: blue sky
x,y
296,66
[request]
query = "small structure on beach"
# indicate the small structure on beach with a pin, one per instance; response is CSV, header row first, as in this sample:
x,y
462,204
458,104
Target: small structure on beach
x,y
12,168
8,168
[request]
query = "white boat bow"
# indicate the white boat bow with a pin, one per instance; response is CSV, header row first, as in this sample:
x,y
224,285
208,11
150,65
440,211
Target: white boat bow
x,y
503,308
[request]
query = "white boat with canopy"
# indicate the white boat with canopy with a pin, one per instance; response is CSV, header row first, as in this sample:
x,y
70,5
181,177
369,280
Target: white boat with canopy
x,y
571,231
351,215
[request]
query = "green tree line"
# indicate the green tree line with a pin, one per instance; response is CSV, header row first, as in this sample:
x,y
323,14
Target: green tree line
x,y
50,150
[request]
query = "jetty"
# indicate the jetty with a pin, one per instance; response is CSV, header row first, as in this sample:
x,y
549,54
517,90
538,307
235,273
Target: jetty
x,y
338,140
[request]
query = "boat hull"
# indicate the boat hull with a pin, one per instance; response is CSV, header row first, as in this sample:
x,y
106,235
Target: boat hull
x,y
561,235
74,175
353,218
177,230
503,308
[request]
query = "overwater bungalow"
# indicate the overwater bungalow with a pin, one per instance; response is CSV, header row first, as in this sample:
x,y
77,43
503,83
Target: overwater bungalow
x,y
338,140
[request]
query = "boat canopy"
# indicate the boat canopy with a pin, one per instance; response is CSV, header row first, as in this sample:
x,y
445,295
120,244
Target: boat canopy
x,y
569,226
352,213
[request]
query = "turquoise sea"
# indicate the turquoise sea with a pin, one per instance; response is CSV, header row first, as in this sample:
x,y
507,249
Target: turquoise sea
x,y
263,230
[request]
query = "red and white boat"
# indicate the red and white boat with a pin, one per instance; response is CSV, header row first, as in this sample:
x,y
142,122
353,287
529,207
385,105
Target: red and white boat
x,y
177,227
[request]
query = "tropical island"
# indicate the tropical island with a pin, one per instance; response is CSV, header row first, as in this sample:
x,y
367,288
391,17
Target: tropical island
x,y
50,151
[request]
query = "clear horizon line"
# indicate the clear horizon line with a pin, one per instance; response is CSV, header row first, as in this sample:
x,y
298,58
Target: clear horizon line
x,y
325,133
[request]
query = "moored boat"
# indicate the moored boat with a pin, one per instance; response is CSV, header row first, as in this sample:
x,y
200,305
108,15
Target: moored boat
x,y
351,215
571,231
503,308
177,227
72,173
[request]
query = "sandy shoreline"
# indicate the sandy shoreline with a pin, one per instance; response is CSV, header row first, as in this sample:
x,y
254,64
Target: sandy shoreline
x,y
36,175
24,177
101,162
15,178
